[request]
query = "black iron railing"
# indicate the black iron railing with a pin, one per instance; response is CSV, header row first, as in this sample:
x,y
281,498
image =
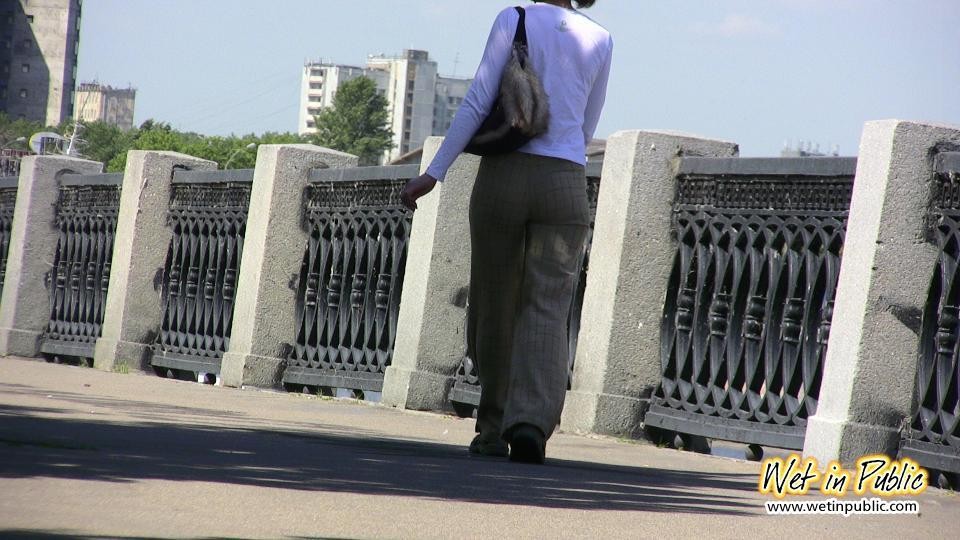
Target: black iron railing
x,y
348,289
10,161
750,297
933,435
465,393
87,211
208,216
8,200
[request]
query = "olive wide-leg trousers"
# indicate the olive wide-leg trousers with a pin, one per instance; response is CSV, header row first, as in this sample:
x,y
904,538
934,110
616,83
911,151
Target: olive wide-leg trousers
x,y
529,220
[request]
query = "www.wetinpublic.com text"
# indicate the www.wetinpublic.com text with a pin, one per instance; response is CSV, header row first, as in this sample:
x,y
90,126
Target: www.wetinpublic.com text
x,y
843,508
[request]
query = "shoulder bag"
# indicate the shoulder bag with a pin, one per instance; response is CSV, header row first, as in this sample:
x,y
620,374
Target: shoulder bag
x,y
521,111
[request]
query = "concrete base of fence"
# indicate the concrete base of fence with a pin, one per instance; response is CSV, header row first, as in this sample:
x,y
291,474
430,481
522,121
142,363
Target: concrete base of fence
x,y
417,390
871,364
133,311
607,414
430,329
253,370
617,366
264,317
25,307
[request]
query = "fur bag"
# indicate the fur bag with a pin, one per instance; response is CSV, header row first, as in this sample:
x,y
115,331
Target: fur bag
x,y
521,111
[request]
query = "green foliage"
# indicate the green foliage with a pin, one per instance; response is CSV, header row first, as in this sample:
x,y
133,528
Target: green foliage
x,y
11,130
235,152
104,142
357,123
109,144
151,136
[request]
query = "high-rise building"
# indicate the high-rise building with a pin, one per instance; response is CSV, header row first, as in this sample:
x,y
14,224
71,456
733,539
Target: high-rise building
x,y
39,40
421,102
102,103
319,85
450,94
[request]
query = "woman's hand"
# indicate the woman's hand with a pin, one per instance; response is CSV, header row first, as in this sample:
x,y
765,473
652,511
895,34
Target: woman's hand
x,y
416,188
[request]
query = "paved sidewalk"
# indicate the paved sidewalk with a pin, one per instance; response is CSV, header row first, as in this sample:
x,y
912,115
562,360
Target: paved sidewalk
x,y
84,452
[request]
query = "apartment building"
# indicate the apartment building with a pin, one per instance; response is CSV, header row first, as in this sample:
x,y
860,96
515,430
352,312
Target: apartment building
x,y
421,102
319,85
449,96
39,41
96,102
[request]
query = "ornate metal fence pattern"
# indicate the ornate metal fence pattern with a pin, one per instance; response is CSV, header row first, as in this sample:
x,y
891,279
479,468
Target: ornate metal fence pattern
x,y
87,211
465,393
8,200
348,289
10,161
933,435
750,297
208,216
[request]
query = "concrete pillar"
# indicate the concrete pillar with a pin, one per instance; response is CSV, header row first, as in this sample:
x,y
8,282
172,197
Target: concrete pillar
x,y
25,308
871,363
133,306
430,329
617,366
264,315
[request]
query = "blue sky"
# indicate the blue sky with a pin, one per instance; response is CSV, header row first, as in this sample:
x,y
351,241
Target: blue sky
x,y
757,72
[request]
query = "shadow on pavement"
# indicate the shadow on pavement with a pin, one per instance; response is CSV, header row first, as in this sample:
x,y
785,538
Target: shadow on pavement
x,y
192,446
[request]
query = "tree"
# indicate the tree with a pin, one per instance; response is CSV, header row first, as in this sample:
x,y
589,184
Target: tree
x,y
151,136
11,130
160,136
109,144
104,142
357,122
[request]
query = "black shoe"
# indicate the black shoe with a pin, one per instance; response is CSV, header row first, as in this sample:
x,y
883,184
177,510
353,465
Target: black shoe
x,y
527,444
495,447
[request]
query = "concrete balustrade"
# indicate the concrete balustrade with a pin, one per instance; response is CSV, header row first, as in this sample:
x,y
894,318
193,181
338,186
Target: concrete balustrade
x,y
870,369
871,364
25,309
133,311
430,330
264,315
617,366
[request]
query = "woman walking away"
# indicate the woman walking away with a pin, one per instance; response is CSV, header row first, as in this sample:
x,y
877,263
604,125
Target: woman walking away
x,y
529,220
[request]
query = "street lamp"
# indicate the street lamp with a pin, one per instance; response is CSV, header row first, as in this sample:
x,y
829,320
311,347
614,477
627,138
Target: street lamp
x,y
250,146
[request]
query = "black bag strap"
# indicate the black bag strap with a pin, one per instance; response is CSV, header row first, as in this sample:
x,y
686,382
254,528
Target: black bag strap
x,y
521,36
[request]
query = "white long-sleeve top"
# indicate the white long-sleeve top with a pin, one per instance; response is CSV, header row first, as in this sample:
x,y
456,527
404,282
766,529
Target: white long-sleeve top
x,y
570,53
